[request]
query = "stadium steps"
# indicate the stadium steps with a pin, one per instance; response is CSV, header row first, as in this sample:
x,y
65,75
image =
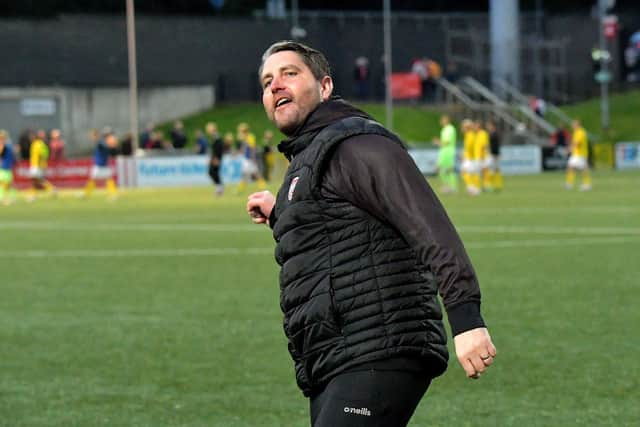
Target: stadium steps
x,y
466,101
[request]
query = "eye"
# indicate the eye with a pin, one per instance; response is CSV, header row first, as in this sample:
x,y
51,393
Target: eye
x,y
290,73
266,84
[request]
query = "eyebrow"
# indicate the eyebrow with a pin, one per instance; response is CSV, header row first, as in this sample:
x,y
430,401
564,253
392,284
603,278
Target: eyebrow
x,y
284,67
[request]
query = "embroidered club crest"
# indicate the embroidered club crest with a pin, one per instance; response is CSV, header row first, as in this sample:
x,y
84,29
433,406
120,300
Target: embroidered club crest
x,y
292,187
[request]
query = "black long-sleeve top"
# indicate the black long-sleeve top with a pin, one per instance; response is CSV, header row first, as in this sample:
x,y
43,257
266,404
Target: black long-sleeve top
x,y
380,177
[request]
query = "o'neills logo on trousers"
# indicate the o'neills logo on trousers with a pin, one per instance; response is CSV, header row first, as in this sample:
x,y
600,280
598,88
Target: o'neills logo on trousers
x,y
357,411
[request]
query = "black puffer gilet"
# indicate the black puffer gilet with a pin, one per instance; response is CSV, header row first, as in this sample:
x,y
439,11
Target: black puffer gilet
x,y
352,290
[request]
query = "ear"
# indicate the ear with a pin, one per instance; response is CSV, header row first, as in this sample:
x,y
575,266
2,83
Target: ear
x,y
326,88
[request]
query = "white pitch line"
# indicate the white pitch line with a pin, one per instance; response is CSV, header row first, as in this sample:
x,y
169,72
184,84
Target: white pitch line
x,y
248,228
130,227
552,242
541,210
107,253
548,230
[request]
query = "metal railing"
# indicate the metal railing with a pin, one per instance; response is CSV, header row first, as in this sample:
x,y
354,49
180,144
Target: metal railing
x,y
523,99
522,113
462,106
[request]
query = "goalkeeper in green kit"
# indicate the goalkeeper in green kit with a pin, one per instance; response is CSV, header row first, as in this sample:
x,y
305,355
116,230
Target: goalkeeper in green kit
x,y
447,156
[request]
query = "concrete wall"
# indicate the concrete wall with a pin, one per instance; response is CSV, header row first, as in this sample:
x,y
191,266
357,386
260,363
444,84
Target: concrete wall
x,y
80,109
89,51
86,50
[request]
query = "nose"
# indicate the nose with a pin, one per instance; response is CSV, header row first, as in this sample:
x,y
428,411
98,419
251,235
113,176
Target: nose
x,y
276,84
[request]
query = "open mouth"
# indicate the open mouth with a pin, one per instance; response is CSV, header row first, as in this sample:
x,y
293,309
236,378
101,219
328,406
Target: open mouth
x,y
282,101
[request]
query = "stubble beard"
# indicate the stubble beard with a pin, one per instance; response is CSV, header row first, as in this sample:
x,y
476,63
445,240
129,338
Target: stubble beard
x,y
289,123
297,113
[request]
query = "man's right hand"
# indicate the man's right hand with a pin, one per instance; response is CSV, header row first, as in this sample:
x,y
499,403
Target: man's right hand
x,y
260,205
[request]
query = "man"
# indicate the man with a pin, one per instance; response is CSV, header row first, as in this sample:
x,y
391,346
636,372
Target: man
x,y
178,138
56,146
481,156
101,171
248,146
447,155
493,165
470,168
217,150
24,143
38,162
146,135
7,160
579,158
364,245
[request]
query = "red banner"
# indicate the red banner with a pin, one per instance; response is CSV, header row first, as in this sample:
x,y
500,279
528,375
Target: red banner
x,y
405,86
64,173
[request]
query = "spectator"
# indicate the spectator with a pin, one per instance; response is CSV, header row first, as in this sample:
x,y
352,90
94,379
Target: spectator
x,y
559,141
541,107
632,58
434,72
538,106
126,145
201,144
146,135
178,137
56,146
419,67
361,77
429,72
452,73
156,141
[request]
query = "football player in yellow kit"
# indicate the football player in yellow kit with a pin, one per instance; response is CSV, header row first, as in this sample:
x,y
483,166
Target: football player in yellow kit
x,y
469,165
579,158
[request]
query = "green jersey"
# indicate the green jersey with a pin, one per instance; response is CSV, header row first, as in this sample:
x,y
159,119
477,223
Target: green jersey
x,y
448,136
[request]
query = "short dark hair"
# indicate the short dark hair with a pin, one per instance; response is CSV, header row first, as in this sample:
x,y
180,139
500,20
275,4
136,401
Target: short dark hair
x,y
314,59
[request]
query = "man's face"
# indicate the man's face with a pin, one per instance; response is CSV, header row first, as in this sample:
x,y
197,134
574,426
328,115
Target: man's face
x,y
290,91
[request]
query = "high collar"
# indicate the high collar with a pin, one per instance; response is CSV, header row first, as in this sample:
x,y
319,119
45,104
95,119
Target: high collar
x,y
323,115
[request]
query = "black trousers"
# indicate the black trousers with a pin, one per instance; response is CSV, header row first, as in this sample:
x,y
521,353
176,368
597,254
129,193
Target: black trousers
x,y
371,398
214,173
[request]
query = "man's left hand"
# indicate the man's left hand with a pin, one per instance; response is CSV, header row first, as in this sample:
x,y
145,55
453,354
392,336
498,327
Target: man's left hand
x,y
475,351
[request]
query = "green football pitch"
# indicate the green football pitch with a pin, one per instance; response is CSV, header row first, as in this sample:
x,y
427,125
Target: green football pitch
x,y
161,309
